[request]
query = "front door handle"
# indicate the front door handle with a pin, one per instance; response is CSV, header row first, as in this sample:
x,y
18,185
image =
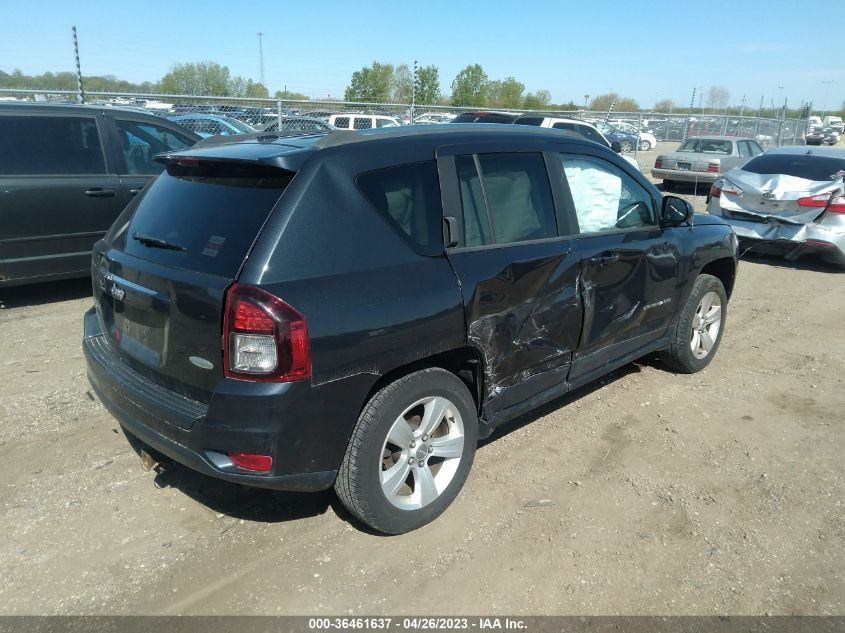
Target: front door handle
x,y
602,260
134,192
100,193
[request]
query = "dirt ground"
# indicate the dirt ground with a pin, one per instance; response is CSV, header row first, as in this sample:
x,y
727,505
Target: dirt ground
x,y
646,493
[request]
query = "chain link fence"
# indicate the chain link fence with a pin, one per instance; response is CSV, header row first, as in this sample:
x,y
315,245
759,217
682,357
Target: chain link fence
x,y
274,114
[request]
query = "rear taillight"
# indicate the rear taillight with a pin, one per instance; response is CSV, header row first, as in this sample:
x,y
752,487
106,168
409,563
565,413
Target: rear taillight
x,y
658,164
264,339
713,168
833,204
724,186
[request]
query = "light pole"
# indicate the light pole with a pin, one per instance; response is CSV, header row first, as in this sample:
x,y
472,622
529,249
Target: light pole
x,y
585,102
826,83
261,58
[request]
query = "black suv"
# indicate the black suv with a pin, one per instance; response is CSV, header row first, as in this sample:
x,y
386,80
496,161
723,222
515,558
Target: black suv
x,y
357,308
66,171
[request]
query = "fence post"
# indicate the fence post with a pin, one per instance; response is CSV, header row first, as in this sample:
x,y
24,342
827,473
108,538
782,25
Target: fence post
x,y
279,113
639,127
780,133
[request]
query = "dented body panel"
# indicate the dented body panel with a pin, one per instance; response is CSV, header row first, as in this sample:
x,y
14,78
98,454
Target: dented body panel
x,y
523,313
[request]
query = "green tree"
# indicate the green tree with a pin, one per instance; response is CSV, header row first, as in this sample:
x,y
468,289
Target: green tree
x,y
510,93
371,84
539,100
665,105
293,96
256,90
401,84
428,85
200,78
623,104
469,87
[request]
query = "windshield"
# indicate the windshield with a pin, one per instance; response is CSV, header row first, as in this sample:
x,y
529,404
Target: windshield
x,y
238,125
806,166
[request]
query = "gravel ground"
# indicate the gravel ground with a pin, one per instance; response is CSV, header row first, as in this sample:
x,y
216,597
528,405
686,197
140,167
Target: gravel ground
x,y
646,493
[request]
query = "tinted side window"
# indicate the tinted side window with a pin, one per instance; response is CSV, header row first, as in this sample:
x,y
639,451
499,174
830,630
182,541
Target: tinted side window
x,y
529,120
518,196
409,196
50,146
756,150
362,123
473,207
139,142
744,149
606,199
342,122
582,130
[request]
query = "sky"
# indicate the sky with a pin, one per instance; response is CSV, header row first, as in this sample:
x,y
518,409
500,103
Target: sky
x,y
644,50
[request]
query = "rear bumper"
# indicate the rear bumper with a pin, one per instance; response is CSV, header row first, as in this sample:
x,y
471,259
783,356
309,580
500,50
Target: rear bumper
x,y
190,432
791,240
685,175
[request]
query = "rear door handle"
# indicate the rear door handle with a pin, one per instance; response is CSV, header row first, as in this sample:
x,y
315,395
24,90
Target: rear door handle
x,y
601,260
100,193
134,192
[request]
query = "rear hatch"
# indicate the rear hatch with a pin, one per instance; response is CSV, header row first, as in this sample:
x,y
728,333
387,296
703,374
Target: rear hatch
x,y
798,194
161,273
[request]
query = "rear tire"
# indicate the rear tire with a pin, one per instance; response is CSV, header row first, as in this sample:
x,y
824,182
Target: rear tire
x,y
697,330
410,452
645,146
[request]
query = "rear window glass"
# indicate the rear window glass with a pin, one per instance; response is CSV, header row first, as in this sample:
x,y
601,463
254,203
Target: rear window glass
x,y
707,146
582,130
807,166
529,120
483,117
208,215
42,146
409,197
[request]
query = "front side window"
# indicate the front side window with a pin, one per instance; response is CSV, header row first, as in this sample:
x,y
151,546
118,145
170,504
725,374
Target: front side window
x,y
362,123
744,148
409,196
605,198
505,198
139,142
45,146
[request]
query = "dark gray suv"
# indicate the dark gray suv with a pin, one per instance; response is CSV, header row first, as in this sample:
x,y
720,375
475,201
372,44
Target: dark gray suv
x,y
66,171
357,309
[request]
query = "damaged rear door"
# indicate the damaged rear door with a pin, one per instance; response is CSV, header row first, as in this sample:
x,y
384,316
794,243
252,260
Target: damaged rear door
x,y
517,266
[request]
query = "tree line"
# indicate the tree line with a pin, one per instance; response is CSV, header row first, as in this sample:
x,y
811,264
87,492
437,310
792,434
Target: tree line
x,y
386,83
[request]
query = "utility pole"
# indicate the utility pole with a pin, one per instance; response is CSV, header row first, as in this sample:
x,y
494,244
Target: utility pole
x,y
261,58
742,109
80,96
586,97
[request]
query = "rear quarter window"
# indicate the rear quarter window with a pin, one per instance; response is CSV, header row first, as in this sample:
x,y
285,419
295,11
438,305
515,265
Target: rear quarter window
x,y
408,196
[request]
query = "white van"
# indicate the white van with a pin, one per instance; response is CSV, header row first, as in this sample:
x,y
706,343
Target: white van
x,y
834,122
347,121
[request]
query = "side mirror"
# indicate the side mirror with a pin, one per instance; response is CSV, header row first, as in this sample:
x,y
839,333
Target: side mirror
x,y
616,146
675,211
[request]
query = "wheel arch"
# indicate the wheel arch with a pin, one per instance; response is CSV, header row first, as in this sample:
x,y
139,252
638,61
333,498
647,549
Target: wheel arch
x,y
465,362
724,270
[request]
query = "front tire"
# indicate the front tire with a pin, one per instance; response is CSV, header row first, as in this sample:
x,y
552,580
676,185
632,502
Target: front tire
x,y
698,328
410,452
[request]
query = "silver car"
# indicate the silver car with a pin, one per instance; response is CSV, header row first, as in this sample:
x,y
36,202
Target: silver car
x,y
704,159
789,201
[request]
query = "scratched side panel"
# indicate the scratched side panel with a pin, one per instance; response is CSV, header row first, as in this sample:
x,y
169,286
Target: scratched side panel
x,y
523,313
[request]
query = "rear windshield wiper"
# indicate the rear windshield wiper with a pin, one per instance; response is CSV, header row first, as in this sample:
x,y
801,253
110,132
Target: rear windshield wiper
x,y
155,242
